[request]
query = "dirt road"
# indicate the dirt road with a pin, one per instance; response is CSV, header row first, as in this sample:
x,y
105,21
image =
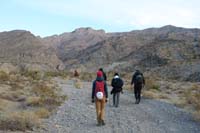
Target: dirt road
x,y
77,115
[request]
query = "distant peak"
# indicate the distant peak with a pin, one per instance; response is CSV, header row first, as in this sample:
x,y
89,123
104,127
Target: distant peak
x,y
86,29
82,29
169,26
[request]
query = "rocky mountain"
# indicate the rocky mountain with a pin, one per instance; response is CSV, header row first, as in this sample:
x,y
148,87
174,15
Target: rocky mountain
x,y
22,50
169,51
69,44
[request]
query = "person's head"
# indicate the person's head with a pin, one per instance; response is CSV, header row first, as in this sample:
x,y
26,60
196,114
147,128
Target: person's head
x,y
138,71
116,74
99,74
101,69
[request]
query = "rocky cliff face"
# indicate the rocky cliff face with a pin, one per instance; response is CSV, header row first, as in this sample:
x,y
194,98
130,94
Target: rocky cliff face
x,y
169,51
23,50
68,45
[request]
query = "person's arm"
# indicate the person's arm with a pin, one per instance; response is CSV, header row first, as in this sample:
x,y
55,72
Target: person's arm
x,y
105,76
122,86
133,78
143,80
93,89
112,83
106,89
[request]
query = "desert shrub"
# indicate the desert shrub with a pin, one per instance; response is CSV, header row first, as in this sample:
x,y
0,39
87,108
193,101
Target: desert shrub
x,y
49,95
4,76
35,75
192,96
51,74
77,84
42,113
22,121
110,75
25,91
150,83
150,94
155,87
33,101
87,76
196,115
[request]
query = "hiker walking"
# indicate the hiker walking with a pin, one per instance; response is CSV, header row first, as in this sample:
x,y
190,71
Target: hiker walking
x,y
117,84
139,82
104,74
99,96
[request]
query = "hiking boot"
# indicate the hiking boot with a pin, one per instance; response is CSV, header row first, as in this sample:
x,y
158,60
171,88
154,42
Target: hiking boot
x,y
136,101
103,123
99,124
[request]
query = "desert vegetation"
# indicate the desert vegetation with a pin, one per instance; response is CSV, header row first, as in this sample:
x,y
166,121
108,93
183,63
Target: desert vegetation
x,y
183,94
26,98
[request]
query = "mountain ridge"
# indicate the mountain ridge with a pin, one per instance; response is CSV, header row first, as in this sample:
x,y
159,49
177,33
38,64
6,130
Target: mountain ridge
x,y
85,48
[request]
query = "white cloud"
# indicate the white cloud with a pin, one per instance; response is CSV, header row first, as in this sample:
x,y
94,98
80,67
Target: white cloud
x,y
134,13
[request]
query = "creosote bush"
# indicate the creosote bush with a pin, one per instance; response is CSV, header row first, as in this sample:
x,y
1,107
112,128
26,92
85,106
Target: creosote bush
x,y
77,84
4,76
24,120
30,95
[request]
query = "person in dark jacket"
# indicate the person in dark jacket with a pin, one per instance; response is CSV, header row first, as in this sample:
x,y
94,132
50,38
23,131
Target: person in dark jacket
x,y
117,84
104,74
138,81
100,103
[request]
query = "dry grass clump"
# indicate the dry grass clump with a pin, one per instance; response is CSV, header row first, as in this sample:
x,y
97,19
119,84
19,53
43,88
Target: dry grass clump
x,y
4,76
77,84
152,94
33,101
48,95
196,115
85,76
50,74
42,113
22,121
6,104
150,83
34,75
193,96
23,92
127,86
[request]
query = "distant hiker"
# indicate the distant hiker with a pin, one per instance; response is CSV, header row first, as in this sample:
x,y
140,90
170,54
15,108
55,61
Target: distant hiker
x,y
138,81
104,74
117,84
76,74
99,96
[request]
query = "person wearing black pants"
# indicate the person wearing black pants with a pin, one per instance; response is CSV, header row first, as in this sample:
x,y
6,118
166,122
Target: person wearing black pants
x,y
137,91
116,99
138,81
117,84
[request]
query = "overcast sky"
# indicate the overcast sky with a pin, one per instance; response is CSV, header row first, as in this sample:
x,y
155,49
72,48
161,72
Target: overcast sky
x,y
48,17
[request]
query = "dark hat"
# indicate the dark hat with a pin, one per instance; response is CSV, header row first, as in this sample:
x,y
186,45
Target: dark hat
x,y
116,74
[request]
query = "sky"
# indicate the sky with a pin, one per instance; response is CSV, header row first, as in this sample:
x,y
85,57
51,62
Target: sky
x,y
49,17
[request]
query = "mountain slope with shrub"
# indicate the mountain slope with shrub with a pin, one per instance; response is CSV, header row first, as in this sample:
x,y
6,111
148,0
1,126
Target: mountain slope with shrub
x,y
22,50
169,51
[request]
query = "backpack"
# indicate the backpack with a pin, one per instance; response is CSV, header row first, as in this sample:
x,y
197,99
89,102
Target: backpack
x,y
99,88
139,79
117,84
